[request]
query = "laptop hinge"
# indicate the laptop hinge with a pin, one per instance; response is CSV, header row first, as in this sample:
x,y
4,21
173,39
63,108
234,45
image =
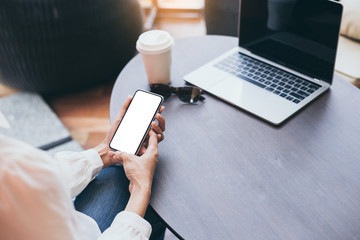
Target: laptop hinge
x,y
318,80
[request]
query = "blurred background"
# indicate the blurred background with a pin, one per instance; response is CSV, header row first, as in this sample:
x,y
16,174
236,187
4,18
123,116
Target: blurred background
x,y
85,113
182,18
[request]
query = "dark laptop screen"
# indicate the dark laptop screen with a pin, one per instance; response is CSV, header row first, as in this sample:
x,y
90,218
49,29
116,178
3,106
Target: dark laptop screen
x,y
299,34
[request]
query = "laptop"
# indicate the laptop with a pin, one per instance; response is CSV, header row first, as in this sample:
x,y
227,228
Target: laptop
x,y
284,60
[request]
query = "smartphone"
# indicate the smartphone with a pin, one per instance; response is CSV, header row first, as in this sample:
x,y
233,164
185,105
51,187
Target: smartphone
x,y
135,124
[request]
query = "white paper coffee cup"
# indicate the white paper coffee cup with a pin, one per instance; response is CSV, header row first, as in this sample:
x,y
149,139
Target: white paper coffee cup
x,y
155,48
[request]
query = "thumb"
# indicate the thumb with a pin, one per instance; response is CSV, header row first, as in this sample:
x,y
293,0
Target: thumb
x,y
153,140
152,144
121,157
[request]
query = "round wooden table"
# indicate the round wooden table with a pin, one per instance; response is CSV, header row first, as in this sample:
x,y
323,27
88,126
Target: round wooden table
x,y
225,174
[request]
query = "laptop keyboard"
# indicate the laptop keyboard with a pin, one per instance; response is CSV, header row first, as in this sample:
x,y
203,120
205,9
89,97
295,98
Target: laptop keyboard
x,y
291,55
272,79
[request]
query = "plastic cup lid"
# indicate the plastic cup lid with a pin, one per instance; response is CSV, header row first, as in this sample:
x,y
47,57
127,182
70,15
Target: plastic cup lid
x,y
154,41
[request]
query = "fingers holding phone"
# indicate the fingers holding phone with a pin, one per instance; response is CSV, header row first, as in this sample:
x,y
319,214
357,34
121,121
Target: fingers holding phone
x,y
136,122
159,127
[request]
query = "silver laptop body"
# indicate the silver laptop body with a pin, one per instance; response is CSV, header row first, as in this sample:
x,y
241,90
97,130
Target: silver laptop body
x,y
283,61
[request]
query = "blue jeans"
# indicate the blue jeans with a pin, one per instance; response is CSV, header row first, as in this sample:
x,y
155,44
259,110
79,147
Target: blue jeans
x,y
107,195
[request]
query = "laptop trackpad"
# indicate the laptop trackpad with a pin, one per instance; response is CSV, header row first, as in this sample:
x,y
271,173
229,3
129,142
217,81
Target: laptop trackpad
x,y
239,92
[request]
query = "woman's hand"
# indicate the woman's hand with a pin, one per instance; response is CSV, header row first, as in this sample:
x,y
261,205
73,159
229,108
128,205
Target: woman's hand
x,y
107,155
140,171
158,128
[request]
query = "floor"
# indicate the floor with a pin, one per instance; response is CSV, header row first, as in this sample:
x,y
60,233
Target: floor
x,y
86,114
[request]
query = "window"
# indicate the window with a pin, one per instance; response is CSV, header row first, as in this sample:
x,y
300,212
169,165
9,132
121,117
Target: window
x,y
159,13
174,4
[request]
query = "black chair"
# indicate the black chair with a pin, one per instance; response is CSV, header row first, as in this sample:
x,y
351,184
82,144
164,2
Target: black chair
x,y
52,46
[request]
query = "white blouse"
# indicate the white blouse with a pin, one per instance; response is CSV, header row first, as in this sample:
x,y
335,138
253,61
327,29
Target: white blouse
x,y
36,192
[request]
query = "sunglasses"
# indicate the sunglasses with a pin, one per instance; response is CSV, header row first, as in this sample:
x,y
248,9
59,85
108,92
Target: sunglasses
x,y
185,94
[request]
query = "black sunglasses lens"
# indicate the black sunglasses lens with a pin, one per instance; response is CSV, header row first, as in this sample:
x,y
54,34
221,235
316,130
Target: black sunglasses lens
x,y
185,94
162,89
189,94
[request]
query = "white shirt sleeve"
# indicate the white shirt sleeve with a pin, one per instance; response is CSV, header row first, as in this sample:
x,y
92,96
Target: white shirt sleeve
x,y
34,202
127,225
78,168
36,192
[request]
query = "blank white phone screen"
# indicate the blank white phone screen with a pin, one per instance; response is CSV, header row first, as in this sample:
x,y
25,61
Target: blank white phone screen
x,y
135,122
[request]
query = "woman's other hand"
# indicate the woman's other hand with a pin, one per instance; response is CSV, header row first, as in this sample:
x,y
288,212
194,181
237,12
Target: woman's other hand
x,y
140,172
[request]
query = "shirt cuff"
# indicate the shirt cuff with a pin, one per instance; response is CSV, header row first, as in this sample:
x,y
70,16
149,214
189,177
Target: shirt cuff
x,y
133,220
95,161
